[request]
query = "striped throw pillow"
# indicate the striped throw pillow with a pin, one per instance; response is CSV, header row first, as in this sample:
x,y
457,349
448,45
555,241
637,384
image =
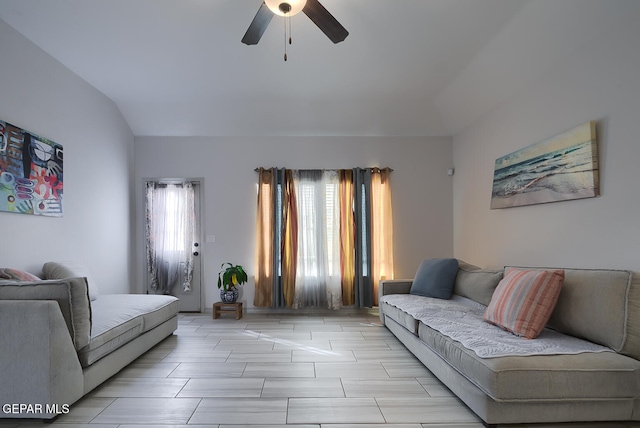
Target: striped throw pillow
x,y
523,301
17,275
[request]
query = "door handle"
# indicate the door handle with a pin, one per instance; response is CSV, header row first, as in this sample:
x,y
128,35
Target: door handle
x,y
195,253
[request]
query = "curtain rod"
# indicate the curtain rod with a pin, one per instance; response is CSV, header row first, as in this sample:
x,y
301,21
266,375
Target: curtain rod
x,y
329,169
172,181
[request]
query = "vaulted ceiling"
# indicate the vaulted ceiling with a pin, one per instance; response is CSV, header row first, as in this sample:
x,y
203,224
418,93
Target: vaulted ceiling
x,y
407,68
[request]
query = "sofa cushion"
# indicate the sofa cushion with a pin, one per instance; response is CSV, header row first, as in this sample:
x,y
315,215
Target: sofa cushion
x,y
524,300
70,293
613,321
400,316
604,375
435,278
111,330
61,270
17,275
120,318
154,308
475,283
631,342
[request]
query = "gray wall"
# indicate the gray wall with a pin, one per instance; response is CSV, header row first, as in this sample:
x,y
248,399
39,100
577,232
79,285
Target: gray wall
x,y
421,190
39,94
598,81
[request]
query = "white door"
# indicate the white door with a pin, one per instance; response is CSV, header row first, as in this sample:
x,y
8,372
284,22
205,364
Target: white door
x,y
190,295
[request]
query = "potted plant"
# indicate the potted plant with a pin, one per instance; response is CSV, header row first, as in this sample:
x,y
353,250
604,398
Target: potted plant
x,y
229,279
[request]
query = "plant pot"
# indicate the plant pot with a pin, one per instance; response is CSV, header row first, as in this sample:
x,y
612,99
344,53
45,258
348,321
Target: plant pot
x,y
229,296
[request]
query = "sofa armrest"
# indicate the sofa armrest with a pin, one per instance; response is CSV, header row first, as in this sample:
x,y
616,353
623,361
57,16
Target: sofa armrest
x,y
72,297
394,286
39,365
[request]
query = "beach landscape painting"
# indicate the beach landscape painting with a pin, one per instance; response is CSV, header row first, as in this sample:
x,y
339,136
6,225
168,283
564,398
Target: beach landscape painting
x,y
561,168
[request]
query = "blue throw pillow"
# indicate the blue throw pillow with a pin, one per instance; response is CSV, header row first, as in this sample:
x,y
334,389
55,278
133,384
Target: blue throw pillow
x,y
435,278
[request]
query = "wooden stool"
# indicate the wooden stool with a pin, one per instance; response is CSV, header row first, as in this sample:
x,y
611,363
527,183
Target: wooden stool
x,y
219,307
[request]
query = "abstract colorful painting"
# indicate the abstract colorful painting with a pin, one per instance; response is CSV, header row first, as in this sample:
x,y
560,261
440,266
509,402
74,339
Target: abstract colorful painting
x,y
30,173
560,168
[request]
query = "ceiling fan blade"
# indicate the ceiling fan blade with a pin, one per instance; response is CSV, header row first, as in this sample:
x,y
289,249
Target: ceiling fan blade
x,y
258,25
325,21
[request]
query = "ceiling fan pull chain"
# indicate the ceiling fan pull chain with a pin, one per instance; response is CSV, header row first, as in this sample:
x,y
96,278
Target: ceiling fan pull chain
x,y
285,37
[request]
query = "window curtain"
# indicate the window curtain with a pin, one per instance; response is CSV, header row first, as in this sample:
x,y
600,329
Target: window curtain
x,y
265,235
289,240
170,233
381,229
315,237
347,237
276,239
363,286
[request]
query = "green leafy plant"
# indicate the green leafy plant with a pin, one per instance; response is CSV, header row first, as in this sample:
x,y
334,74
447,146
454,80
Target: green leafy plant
x,y
231,277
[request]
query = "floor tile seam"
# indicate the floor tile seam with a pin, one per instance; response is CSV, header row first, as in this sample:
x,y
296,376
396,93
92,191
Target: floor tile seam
x,y
173,370
353,354
217,341
344,390
183,386
264,381
385,369
425,388
244,370
193,412
286,413
113,400
380,410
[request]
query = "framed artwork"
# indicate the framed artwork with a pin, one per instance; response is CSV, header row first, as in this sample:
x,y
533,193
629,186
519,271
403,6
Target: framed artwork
x,y
561,168
31,180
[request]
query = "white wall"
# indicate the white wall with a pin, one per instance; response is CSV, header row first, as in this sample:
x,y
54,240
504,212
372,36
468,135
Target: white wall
x,y
39,94
422,191
598,81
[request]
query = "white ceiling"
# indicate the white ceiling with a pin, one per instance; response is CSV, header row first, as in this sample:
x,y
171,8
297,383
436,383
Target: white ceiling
x,y
177,67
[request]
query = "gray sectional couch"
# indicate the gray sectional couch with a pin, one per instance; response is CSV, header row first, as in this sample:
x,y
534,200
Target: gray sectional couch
x,y
60,338
601,307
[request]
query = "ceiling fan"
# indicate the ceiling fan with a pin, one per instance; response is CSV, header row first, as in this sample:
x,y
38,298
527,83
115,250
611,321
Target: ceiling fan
x,y
287,8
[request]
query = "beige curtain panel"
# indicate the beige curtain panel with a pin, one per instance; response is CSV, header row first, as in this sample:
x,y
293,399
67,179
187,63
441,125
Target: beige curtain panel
x,y
264,239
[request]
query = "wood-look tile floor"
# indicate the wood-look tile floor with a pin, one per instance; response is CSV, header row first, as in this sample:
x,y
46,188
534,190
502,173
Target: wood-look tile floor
x,y
321,369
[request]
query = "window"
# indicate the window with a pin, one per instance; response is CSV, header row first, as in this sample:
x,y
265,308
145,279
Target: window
x,y
317,281
308,237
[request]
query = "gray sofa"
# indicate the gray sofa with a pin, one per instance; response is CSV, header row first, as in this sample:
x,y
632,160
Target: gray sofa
x,y
601,306
60,339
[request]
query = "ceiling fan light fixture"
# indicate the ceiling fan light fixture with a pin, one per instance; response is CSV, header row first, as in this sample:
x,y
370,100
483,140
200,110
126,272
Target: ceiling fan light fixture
x,y
286,7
